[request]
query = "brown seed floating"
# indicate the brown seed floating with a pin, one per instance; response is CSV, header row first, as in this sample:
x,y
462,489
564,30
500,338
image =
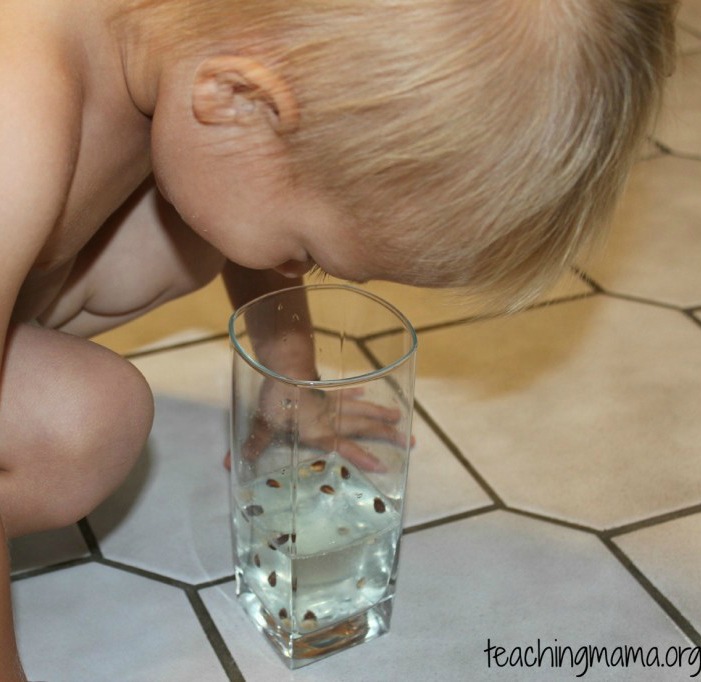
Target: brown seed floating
x,y
379,505
293,537
360,584
272,579
345,474
343,530
309,615
272,483
281,539
253,510
256,560
318,466
327,489
294,584
282,613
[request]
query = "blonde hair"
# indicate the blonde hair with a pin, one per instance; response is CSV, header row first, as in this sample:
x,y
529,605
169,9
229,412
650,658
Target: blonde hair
x,y
488,138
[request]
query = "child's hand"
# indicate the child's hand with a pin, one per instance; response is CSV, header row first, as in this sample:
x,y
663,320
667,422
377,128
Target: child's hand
x,y
331,421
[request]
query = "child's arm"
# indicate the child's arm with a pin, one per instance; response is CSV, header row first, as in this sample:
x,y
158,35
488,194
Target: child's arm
x,y
338,420
9,660
244,285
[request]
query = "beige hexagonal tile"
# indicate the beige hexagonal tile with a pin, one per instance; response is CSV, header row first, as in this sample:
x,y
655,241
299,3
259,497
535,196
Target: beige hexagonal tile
x,y
690,14
587,410
678,127
654,249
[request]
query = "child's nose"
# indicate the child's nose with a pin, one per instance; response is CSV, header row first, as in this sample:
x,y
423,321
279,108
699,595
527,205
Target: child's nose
x,y
295,268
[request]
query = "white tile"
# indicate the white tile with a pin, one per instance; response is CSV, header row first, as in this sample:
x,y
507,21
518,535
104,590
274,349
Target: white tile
x,y
171,515
585,410
200,373
669,555
497,576
46,549
93,623
438,484
654,248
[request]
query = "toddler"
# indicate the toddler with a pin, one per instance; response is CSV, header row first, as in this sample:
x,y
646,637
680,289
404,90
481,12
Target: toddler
x,y
149,145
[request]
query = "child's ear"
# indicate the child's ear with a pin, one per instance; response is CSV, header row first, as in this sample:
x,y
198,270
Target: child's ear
x,y
228,89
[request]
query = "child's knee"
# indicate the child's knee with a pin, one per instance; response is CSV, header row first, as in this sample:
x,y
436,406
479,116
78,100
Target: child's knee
x,y
111,420
74,418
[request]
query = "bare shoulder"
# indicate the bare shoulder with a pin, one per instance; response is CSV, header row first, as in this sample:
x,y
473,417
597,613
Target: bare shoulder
x,y
40,128
40,115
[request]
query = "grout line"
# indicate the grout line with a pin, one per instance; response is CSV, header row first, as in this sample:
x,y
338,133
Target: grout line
x,y
651,522
143,573
572,525
89,538
643,301
675,153
638,299
445,520
214,636
665,604
51,568
216,582
447,441
598,289
473,319
693,317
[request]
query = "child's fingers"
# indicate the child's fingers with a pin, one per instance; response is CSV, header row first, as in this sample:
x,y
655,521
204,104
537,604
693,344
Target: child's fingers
x,y
365,408
364,427
359,456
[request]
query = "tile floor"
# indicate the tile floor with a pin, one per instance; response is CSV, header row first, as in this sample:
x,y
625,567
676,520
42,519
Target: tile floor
x,y
555,490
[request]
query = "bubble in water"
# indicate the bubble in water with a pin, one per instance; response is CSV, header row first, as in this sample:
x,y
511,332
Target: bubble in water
x,y
280,306
286,403
295,317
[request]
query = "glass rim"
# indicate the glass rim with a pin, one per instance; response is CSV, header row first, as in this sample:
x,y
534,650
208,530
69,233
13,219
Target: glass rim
x,y
325,383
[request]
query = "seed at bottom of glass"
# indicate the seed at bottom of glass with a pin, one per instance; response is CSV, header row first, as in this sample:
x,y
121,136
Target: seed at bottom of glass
x,y
309,615
272,579
272,483
379,505
256,560
318,466
327,489
345,474
282,613
281,539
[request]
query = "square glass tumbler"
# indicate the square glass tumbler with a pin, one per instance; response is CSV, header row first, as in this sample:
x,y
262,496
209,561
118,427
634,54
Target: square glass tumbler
x,y
320,441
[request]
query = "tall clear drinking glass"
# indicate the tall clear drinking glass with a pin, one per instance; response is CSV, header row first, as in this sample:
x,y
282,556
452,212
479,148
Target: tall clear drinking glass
x,y
320,440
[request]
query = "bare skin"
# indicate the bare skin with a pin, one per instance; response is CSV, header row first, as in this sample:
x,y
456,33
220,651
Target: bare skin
x,y
88,241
